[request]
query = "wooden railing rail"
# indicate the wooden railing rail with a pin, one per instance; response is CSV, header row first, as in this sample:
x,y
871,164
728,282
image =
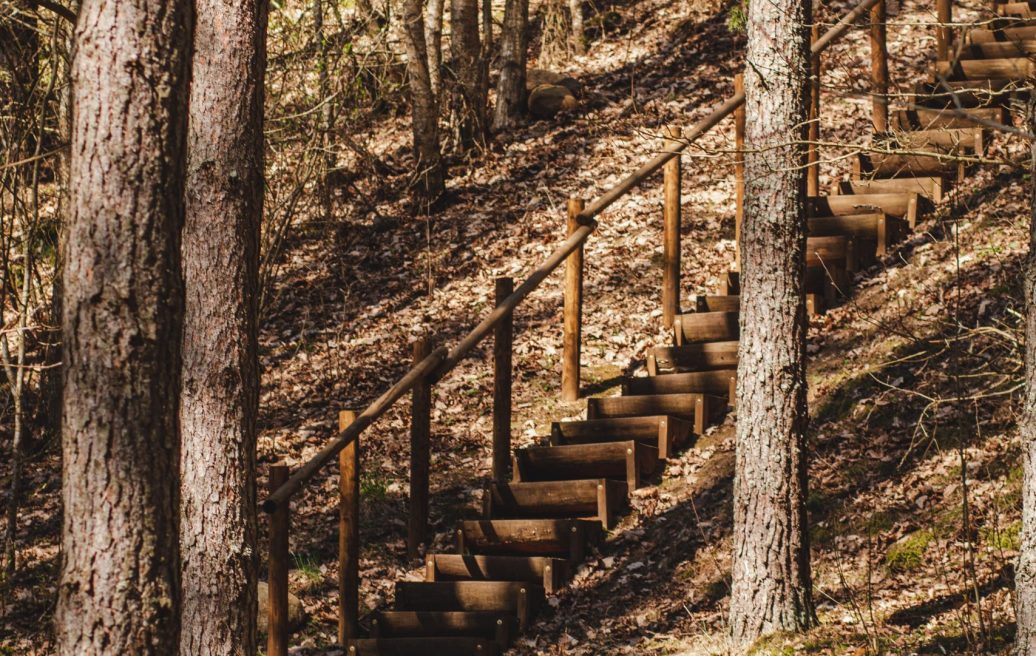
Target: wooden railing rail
x,y
432,367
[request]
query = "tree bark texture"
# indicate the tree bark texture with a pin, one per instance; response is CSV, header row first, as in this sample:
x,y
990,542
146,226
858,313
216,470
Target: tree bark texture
x,y
771,573
429,172
470,69
220,396
119,590
510,88
575,8
433,41
1025,572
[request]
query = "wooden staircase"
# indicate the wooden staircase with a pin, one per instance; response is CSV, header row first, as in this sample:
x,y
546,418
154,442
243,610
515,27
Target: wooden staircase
x,y
569,490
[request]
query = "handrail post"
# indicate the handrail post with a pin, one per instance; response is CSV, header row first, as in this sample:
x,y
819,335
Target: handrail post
x,y
879,69
420,434
739,169
348,535
573,320
277,584
671,232
944,13
812,158
503,339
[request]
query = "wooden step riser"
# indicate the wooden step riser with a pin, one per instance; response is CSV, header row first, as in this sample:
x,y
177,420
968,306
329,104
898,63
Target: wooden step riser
x,y
503,597
1014,68
567,538
552,573
1002,33
601,499
878,165
719,384
960,140
629,461
999,49
666,433
699,409
905,206
932,188
931,119
501,628
694,357
424,646
701,327
715,303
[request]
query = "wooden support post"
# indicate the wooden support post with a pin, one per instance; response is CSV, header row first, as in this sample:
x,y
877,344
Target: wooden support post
x,y
813,136
573,327
879,69
739,169
280,523
503,341
943,33
348,535
671,233
420,434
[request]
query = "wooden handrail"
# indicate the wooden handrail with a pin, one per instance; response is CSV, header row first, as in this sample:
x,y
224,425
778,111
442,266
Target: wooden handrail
x,y
441,361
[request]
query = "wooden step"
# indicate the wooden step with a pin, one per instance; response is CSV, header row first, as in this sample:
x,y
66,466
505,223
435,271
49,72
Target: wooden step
x,y
629,460
933,188
501,628
667,434
902,205
516,597
715,303
998,49
426,646
873,234
692,357
552,572
874,165
701,409
600,498
1016,9
700,327
949,140
1007,68
562,538
711,382
1004,32
929,118
831,252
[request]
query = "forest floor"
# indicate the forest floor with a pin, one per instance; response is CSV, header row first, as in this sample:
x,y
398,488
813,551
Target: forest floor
x,y
914,496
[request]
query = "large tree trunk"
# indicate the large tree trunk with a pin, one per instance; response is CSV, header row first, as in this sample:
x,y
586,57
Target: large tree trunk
x,y
220,397
510,88
469,66
120,591
429,172
771,574
1025,574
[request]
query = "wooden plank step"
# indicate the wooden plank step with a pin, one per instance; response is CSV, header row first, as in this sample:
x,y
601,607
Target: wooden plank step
x,y
701,409
1007,31
665,433
426,646
567,538
501,628
552,572
873,234
715,303
518,597
950,140
629,460
1007,68
692,357
929,118
1016,9
699,327
830,252
599,498
901,205
998,49
686,383
933,188
875,165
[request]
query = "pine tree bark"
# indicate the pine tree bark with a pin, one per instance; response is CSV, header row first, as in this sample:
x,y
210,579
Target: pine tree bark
x,y
470,68
119,589
771,588
431,183
510,88
1025,572
220,396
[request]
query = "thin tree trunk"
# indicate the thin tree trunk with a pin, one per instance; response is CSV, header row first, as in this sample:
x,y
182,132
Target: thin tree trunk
x,y
556,39
429,172
220,397
771,589
326,115
433,42
510,88
119,590
469,67
575,7
1025,573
